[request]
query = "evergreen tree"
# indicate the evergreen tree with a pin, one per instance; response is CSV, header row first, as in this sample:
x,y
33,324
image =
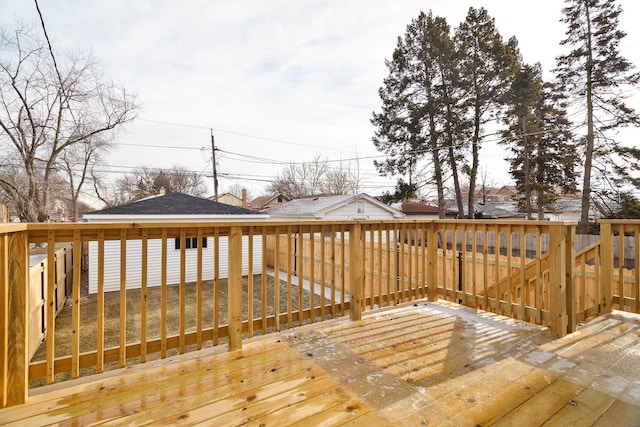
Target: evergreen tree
x,y
599,78
539,137
412,121
522,130
487,65
556,158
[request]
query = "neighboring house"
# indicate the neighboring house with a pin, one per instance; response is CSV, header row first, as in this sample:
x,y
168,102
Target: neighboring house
x,y
231,199
268,202
506,193
422,210
175,207
357,207
498,211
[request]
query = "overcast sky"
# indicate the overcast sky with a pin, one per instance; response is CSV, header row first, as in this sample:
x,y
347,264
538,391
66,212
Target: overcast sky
x,y
277,81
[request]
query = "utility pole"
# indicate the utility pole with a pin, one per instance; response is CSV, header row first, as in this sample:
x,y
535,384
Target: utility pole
x,y
215,170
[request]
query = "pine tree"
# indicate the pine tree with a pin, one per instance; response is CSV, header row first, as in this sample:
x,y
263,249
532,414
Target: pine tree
x,y
539,137
596,76
487,65
556,158
411,123
523,128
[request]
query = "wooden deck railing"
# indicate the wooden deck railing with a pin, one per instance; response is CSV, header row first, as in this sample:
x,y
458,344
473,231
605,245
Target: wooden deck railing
x,y
621,283
203,284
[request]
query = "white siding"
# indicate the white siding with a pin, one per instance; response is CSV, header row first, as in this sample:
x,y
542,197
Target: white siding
x,y
154,264
360,209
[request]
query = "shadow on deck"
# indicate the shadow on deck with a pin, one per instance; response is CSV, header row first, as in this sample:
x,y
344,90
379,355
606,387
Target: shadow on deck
x,y
414,364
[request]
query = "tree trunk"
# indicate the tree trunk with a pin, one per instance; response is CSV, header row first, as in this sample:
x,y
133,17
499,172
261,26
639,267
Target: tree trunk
x,y
526,166
474,164
588,157
437,166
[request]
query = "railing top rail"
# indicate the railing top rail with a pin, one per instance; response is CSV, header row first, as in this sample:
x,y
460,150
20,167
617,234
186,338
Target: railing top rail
x,y
620,221
12,227
269,222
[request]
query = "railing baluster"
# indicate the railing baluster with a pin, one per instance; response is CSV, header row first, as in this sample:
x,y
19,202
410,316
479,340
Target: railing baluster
x,y
432,262
250,282
100,305
163,295
370,241
485,265
332,249
355,271
389,287
216,286
123,297
290,267
380,266
300,273
263,276
621,231
276,284
75,304
312,276
343,269
182,290
323,269
50,331
509,234
199,263
143,294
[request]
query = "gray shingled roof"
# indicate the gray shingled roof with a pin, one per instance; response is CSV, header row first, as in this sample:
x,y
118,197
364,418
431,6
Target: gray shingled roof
x,y
311,206
174,204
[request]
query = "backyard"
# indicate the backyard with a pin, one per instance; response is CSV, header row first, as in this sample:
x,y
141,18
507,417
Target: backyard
x,y
89,304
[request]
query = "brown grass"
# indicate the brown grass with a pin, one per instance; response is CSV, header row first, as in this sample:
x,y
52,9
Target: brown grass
x,y
88,310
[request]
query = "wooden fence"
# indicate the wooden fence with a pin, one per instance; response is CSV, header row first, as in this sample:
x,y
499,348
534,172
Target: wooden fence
x,y
310,271
38,286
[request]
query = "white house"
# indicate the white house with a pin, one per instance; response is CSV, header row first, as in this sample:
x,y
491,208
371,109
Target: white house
x,y
357,207
175,207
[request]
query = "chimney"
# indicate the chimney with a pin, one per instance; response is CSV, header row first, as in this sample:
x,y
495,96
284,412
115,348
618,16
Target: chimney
x,y
244,197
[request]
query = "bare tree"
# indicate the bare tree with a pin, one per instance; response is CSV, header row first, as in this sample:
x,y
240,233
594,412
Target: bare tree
x,y
77,163
146,181
300,179
46,109
237,190
341,180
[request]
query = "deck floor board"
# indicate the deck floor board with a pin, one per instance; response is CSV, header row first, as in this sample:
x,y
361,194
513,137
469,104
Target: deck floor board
x,y
412,364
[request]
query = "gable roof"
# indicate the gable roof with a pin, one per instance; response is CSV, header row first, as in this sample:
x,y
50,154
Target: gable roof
x,y
262,201
421,208
174,204
319,206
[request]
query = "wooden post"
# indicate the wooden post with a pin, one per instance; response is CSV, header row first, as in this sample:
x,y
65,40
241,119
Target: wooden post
x,y
606,251
432,263
234,290
558,279
4,317
570,274
355,272
17,386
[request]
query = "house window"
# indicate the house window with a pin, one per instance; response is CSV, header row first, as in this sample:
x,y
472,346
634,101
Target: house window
x,y
190,243
360,206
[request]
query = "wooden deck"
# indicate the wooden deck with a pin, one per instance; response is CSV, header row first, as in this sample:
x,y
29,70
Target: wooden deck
x,y
415,364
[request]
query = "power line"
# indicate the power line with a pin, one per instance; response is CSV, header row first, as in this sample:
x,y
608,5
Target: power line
x,y
160,146
246,135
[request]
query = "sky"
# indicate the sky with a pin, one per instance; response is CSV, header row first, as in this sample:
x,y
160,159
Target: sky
x,y
276,81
